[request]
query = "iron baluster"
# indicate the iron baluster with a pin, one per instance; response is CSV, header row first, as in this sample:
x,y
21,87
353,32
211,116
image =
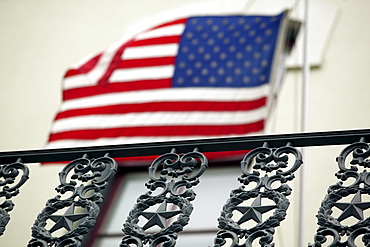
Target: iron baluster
x,y
10,174
81,181
344,234
278,167
175,174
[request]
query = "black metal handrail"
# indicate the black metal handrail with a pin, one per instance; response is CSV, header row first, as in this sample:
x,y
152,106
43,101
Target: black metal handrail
x,y
204,145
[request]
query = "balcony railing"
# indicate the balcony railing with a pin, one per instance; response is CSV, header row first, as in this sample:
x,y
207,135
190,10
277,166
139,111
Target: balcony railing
x,y
268,166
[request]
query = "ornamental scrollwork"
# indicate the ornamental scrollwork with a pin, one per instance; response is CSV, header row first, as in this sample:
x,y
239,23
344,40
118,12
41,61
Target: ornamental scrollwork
x,y
70,214
348,226
242,221
12,177
156,218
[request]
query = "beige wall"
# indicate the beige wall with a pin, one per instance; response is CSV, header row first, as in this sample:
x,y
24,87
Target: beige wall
x,y
39,39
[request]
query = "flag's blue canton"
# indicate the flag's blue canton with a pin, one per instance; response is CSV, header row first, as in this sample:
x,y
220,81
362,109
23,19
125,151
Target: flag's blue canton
x,y
227,51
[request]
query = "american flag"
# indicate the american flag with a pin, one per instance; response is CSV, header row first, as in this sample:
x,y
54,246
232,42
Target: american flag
x,y
197,77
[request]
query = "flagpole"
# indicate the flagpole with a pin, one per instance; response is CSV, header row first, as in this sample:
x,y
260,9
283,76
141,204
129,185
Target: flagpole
x,y
304,120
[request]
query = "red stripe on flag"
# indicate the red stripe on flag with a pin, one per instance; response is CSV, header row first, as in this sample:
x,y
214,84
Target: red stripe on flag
x,y
85,68
145,62
157,41
225,156
166,107
157,131
115,88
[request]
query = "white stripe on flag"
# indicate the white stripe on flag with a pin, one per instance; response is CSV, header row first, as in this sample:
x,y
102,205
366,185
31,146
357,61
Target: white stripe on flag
x,y
158,119
144,73
77,81
150,51
168,95
176,29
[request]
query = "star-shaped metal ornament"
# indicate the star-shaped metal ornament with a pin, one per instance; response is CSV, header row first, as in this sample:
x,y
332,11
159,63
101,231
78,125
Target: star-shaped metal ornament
x,y
354,208
254,212
66,220
159,217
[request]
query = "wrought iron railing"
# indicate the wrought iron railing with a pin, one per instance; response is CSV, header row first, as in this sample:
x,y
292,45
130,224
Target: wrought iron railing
x,y
269,165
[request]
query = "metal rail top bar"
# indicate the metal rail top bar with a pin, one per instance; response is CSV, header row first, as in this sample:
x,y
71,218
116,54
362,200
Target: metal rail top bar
x,y
204,145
